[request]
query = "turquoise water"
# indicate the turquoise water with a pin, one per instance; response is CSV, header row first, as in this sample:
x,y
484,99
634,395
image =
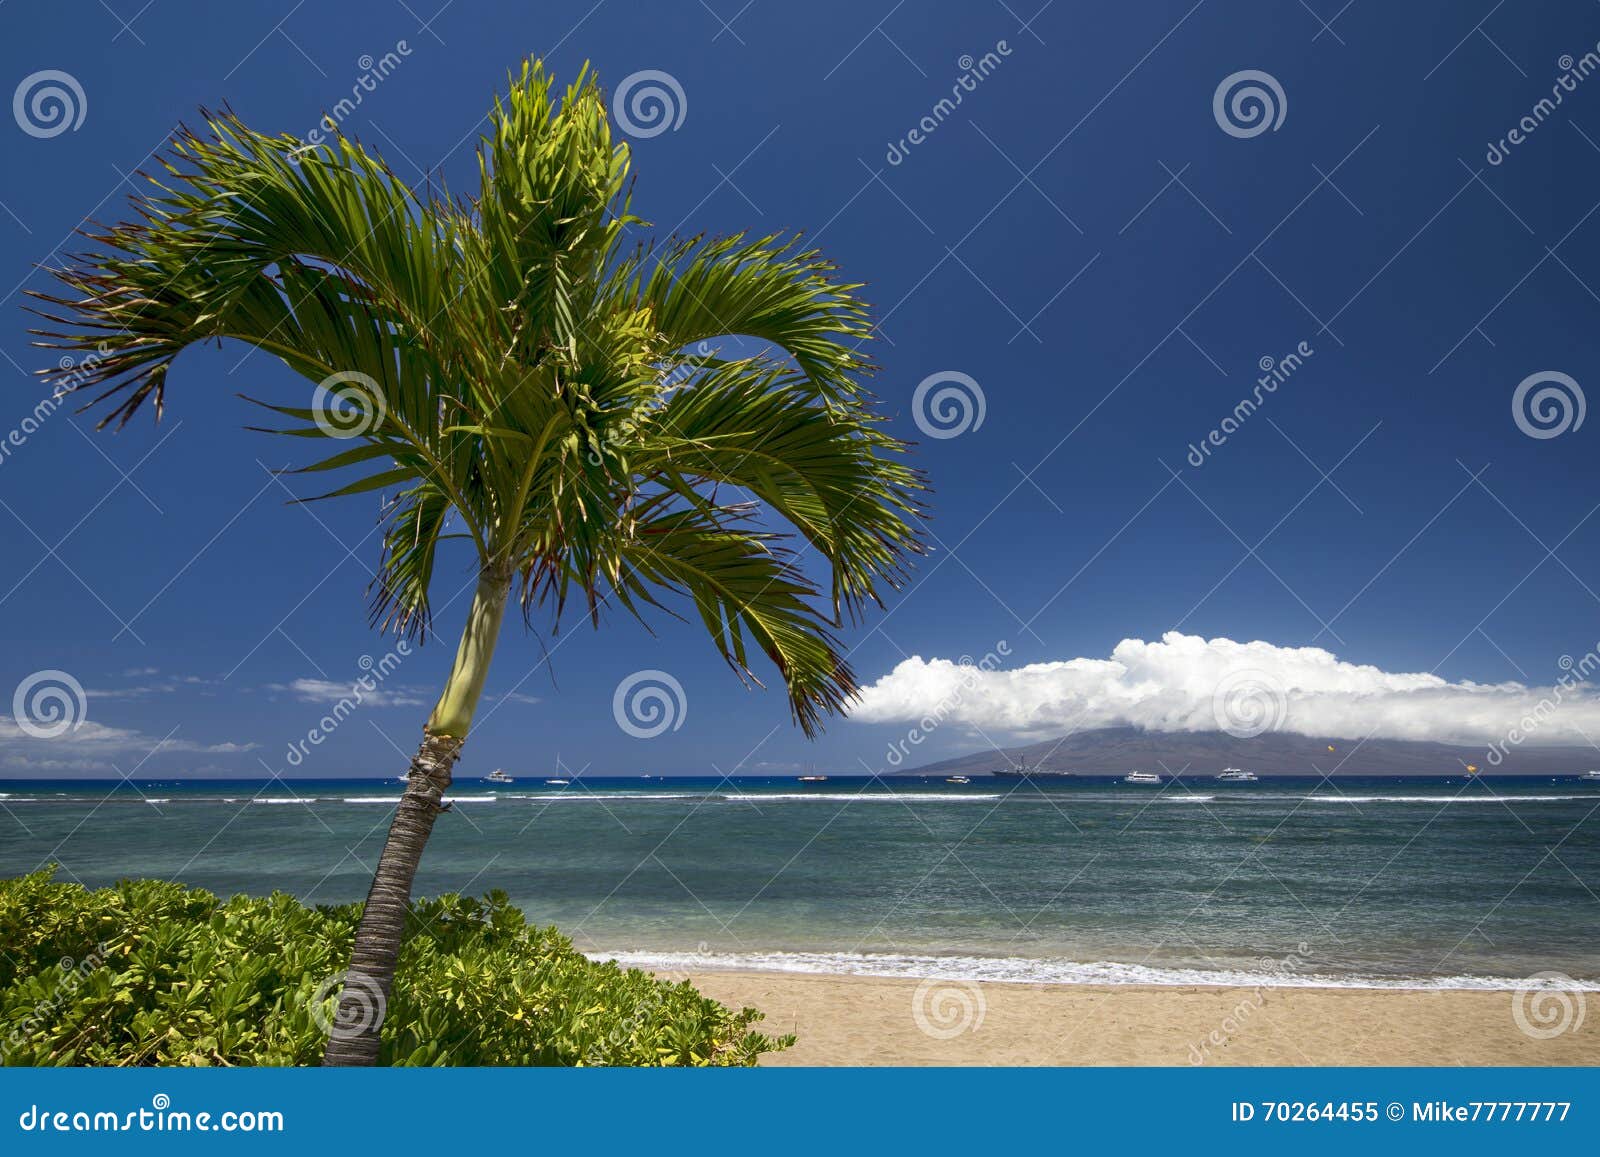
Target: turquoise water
x,y
1369,882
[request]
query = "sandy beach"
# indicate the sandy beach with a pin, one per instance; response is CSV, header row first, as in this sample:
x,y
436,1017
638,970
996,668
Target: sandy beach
x,y
859,1020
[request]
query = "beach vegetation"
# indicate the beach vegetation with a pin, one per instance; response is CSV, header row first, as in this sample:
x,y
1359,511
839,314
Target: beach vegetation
x,y
149,972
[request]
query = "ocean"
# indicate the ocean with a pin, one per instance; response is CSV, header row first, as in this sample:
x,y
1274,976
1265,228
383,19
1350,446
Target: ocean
x,y
1361,882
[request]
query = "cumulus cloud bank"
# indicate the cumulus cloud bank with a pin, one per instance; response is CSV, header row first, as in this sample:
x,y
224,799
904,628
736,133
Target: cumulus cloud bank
x,y
326,691
1188,683
90,746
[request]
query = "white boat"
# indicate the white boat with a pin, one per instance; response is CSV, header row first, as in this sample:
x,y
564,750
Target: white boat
x,y
1143,777
957,779
498,776
1234,775
813,779
1590,774
558,782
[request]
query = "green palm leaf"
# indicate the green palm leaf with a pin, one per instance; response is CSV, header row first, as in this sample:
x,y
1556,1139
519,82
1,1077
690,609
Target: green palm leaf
x,y
506,372
516,375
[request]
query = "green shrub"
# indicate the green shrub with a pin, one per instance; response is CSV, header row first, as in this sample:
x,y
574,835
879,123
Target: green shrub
x,y
153,973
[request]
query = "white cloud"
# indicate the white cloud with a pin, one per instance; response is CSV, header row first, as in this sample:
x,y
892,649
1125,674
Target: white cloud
x,y
166,685
1173,685
517,697
326,691
94,747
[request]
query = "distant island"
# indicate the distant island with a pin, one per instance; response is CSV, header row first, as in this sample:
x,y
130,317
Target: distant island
x,y
1118,750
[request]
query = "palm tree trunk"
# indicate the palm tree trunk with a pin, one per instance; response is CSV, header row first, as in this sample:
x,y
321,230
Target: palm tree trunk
x,y
355,1035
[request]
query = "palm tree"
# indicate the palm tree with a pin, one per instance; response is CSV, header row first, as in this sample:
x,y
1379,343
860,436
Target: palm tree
x,y
512,371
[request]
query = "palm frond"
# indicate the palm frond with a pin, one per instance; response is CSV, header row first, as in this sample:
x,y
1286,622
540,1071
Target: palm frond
x,y
562,404
742,582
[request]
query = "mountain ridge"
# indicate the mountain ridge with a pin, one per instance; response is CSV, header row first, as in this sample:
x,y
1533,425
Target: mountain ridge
x,y
1117,750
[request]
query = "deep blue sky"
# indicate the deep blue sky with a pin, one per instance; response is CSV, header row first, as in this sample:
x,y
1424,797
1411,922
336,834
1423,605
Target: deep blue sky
x,y
1059,166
